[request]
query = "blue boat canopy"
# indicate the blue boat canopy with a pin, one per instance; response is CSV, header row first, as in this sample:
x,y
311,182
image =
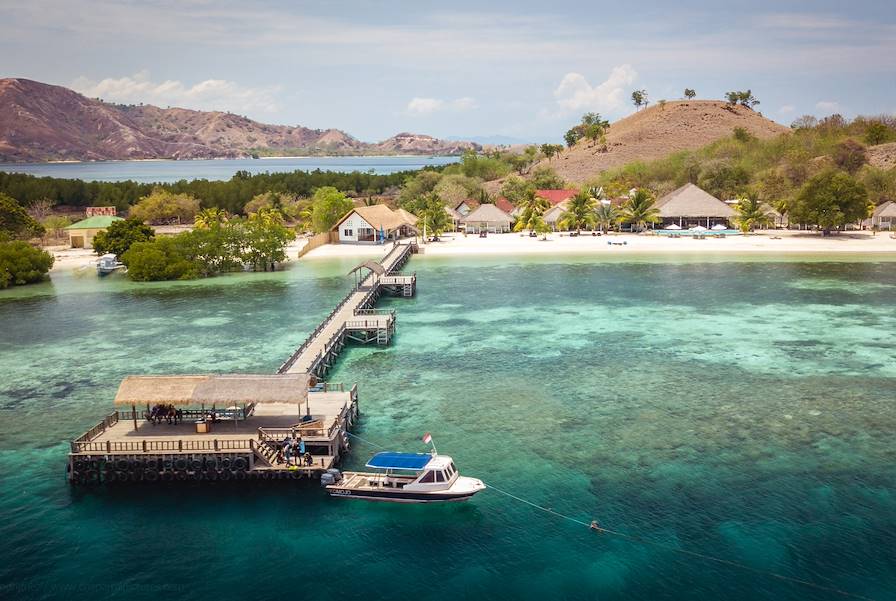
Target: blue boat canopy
x,y
399,461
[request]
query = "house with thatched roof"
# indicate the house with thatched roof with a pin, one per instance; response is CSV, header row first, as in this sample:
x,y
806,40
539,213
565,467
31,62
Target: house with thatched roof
x,y
374,225
690,206
487,218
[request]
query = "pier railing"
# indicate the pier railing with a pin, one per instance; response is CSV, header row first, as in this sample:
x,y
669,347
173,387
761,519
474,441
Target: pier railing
x,y
154,446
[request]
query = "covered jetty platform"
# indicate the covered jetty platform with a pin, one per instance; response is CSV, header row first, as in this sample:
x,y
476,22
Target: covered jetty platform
x,y
205,427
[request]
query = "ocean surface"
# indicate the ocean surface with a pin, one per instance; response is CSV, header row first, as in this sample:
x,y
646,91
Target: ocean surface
x,y
218,169
739,408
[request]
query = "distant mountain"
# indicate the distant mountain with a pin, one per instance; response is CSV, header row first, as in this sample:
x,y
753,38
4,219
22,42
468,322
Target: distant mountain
x,y
495,140
41,122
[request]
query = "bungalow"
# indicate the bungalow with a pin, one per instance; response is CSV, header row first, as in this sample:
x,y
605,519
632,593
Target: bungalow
x,y
374,225
488,218
690,206
80,234
465,207
884,216
556,196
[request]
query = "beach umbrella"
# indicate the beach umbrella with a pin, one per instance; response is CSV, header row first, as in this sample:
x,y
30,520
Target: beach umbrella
x,y
719,226
674,226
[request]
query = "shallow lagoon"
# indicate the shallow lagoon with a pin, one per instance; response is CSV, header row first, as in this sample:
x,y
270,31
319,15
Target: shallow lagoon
x,y
742,408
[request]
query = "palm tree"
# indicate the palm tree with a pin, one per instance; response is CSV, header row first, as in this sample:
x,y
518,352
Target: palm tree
x,y
750,214
531,208
640,210
579,212
607,216
208,218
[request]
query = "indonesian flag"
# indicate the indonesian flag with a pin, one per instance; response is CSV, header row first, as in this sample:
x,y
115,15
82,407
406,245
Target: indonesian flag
x,y
427,438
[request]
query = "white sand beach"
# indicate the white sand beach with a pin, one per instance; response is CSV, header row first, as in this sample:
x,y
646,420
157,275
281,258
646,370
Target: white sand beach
x,y
771,242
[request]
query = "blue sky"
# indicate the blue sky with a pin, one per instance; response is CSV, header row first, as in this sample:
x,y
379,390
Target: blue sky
x,y
521,69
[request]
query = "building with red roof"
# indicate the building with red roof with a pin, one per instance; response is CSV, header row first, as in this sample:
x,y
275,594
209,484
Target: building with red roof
x,y
555,197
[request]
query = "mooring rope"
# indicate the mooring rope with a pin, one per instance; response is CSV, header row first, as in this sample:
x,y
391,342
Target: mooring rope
x,y
743,566
598,528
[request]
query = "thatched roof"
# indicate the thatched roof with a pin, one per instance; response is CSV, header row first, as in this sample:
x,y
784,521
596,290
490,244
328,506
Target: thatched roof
x,y
381,217
691,201
372,266
487,213
218,390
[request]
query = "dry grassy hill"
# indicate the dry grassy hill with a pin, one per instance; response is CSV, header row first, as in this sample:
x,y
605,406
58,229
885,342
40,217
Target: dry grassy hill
x,y
656,132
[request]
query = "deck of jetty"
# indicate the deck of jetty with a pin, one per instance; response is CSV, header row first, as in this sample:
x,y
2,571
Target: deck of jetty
x,y
232,426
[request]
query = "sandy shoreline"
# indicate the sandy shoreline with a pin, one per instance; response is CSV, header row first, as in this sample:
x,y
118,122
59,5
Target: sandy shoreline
x,y
495,245
629,244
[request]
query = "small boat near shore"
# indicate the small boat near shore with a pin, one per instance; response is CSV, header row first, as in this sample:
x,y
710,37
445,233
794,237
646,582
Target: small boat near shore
x,y
107,264
407,478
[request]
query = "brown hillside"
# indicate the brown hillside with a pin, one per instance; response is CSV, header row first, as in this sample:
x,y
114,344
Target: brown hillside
x,y
883,155
656,132
40,122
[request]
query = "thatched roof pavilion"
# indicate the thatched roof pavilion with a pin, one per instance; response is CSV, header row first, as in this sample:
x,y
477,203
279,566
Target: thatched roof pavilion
x,y
690,205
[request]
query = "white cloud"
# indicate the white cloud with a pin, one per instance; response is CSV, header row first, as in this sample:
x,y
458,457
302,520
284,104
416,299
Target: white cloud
x,y
211,94
426,106
575,93
827,105
786,109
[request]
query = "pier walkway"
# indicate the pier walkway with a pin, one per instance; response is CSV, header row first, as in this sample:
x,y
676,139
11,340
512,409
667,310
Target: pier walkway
x,y
355,317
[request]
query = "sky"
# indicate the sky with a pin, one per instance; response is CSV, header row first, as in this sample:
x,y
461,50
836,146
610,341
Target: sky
x,y
520,69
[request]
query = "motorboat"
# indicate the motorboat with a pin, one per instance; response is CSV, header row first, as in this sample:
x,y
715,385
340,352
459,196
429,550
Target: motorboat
x,y
406,478
107,264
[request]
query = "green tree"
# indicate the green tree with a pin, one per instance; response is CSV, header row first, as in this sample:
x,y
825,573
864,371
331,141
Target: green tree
x,y
531,208
160,259
639,98
607,215
329,205
545,178
433,219
120,235
830,200
211,217
15,221
689,93
162,206
640,209
580,212
21,263
550,150
750,214
266,238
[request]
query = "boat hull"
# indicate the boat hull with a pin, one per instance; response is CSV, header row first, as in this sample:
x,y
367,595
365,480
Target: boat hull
x,y
397,496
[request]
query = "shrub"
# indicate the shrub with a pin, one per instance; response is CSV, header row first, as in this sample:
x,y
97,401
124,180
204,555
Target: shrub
x,y
21,263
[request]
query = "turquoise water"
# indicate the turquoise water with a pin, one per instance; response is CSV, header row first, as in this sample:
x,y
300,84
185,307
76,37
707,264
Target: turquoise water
x,y
218,169
742,408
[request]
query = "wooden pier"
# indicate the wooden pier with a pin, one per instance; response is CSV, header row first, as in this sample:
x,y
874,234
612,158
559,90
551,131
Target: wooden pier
x,y
232,427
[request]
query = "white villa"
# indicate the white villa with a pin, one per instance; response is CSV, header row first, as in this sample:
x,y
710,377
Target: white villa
x,y
690,206
375,224
487,218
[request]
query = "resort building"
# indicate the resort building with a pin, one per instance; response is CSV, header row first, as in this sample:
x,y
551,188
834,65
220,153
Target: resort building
x,y
465,207
487,218
884,216
556,196
690,206
375,224
553,215
80,234
455,218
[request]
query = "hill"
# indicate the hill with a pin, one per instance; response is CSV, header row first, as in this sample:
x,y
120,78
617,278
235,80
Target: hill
x,y
40,122
658,131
